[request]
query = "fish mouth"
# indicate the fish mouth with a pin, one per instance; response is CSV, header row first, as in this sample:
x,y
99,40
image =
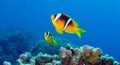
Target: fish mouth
x,y
52,18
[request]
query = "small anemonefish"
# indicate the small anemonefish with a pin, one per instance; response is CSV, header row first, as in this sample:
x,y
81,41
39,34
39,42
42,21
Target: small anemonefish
x,y
63,22
49,38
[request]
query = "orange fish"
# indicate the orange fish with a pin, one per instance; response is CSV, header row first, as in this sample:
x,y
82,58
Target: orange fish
x,y
49,38
63,22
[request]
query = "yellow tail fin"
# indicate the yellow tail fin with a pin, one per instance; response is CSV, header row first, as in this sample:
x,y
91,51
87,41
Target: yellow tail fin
x,y
55,43
79,32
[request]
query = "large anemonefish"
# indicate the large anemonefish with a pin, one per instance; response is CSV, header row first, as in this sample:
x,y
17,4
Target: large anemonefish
x,y
49,38
63,22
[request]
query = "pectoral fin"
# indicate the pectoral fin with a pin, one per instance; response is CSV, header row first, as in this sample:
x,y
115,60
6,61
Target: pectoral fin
x,y
59,31
55,43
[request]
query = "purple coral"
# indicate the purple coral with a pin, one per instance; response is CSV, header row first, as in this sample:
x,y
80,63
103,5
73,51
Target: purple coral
x,y
85,48
64,52
25,59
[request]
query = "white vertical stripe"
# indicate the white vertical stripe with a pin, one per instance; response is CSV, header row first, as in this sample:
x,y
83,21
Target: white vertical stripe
x,y
68,21
58,16
48,34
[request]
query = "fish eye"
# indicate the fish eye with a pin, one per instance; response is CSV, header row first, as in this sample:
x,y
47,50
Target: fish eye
x,y
47,32
55,15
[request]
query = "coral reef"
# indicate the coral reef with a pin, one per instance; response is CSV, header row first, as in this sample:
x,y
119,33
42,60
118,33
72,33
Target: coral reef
x,y
106,60
66,53
85,55
11,45
42,59
90,54
25,59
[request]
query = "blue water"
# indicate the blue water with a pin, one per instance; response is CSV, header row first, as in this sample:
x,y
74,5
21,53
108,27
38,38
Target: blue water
x,y
100,18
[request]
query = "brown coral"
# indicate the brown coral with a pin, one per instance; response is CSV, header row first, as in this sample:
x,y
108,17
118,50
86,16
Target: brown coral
x,y
91,55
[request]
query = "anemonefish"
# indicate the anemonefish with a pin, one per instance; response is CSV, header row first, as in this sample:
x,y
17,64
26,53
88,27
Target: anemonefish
x,y
63,22
49,38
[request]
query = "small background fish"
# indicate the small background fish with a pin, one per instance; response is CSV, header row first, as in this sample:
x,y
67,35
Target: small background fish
x,y
49,38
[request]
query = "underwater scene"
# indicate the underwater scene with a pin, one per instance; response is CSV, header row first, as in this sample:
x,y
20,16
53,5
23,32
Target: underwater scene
x,y
59,32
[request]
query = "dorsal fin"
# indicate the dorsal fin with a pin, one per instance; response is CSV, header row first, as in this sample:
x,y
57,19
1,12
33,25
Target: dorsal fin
x,y
75,23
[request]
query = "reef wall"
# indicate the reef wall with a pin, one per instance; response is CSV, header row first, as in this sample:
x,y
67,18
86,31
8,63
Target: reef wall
x,y
12,45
